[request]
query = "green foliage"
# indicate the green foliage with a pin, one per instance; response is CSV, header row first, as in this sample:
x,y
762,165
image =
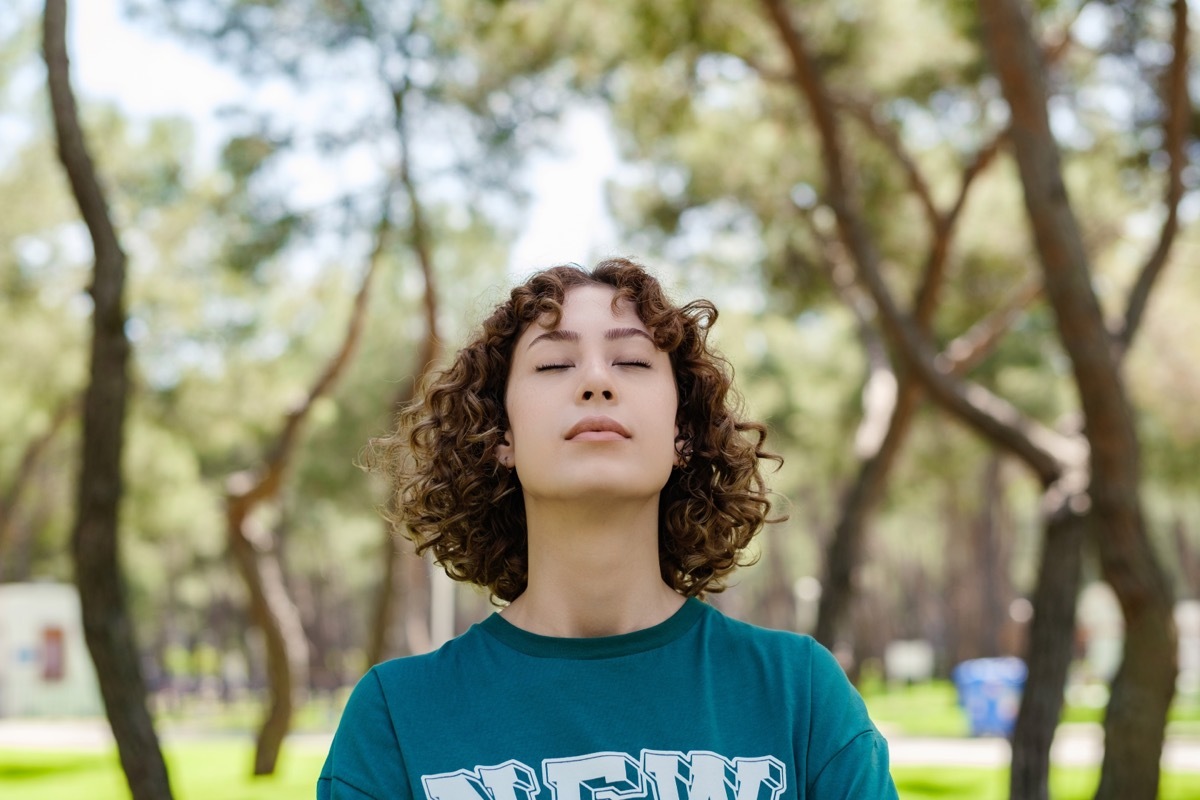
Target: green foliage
x,y
240,287
245,155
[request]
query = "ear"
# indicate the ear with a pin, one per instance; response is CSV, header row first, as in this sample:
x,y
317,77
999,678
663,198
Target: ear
x,y
506,453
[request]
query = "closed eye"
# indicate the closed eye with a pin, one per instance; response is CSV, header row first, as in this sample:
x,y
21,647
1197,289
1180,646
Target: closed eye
x,y
549,367
634,363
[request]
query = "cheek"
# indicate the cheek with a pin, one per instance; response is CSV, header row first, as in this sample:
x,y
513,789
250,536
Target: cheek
x,y
522,409
667,408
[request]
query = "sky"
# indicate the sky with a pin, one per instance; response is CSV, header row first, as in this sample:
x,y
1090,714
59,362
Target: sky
x,y
566,221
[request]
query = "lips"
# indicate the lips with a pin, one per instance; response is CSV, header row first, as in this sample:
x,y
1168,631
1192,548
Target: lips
x,y
597,428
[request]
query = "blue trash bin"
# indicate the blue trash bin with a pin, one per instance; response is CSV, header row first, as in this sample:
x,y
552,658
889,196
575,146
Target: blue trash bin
x,y
989,690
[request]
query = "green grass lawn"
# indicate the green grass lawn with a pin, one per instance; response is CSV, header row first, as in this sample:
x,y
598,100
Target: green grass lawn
x,y
199,771
220,771
931,709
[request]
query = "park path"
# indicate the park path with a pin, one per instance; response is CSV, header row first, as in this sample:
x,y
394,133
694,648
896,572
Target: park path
x,y
1074,744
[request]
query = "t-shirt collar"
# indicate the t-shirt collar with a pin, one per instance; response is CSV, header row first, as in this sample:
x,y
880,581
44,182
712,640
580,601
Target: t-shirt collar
x,y
623,644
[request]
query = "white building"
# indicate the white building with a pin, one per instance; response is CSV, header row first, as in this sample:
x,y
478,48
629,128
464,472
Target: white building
x,y
45,669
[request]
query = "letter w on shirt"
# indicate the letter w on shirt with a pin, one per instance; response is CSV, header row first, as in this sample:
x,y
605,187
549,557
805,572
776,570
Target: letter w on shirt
x,y
701,775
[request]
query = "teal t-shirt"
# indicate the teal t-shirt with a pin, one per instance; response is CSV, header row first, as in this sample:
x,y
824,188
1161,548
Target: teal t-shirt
x,y
698,707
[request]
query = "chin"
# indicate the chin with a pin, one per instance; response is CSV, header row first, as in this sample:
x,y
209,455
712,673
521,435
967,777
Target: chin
x,y
596,486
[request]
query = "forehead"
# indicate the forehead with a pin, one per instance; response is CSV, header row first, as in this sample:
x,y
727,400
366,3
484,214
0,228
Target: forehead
x,y
591,304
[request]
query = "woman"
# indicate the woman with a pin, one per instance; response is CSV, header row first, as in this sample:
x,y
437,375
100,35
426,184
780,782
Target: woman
x,y
583,459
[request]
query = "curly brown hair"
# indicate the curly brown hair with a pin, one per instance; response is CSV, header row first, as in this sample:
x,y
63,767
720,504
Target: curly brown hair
x,y
453,497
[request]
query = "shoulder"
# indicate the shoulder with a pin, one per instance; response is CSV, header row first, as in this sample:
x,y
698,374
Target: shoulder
x,y
404,669
408,671
844,753
367,756
795,648
793,666
796,666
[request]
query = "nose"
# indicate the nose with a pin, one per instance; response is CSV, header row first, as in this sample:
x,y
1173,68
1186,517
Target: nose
x,y
596,383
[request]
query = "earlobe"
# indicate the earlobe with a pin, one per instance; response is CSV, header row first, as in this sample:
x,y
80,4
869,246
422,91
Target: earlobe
x,y
504,452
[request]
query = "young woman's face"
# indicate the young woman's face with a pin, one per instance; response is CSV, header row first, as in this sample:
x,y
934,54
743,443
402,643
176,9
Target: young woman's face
x,y
591,404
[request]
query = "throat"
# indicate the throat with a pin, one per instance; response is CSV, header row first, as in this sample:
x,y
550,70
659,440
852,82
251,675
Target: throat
x,y
593,576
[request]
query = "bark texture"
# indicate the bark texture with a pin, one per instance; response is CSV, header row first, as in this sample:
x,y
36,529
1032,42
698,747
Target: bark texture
x,y
1050,645
254,552
255,549
1145,682
1099,472
107,626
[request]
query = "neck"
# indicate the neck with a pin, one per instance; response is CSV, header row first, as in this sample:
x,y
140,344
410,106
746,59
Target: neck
x,y
593,571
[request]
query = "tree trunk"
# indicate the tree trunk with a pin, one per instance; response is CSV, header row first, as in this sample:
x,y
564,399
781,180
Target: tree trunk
x,y
845,545
272,612
1044,451
255,550
1049,649
386,599
94,543
1136,718
1145,683
990,551
844,552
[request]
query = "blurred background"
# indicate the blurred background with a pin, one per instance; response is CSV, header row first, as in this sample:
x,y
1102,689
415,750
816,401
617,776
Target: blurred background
x,y
318,199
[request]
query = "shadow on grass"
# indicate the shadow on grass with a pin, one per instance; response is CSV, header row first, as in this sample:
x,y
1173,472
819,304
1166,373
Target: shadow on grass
x,y
930,789
16,768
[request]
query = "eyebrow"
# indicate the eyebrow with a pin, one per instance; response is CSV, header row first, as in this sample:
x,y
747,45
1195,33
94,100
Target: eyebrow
x,y
610,335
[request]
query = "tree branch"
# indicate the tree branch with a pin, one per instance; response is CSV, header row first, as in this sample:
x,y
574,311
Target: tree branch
x,y
886,135
250,488
995,418
418,236
32,454
1178,115
967,350
942,232
253,546
1056,231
